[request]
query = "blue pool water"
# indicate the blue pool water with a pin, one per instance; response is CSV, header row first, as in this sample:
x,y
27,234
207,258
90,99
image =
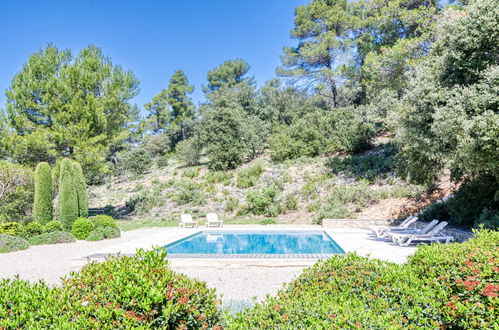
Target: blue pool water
x,y
255,242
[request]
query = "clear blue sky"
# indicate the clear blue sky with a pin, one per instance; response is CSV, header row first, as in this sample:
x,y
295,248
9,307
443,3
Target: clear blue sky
x,y
151,38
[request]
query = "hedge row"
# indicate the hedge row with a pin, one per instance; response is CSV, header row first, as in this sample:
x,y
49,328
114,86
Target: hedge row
x,y
139,291
451,286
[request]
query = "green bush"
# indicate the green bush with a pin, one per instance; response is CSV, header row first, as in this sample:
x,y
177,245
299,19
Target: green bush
x,y
52,226
189,151
231,204
100,233
68,198
321,132
188,192
82,227
136,160
370,167
442,286
468,273
54,237
291,203
42,207
9,243
262,201
438,210
11,228
191,172
488,219
101,221
33,229
470,204
16,201
123,292
218,177
249,176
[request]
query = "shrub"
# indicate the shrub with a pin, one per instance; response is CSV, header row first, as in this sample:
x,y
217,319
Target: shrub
x,y
68,199
54,237
142,203
9,243
267,221
438,210
82,227
136,160
189,151
191,173
218,177
121,292
488,219
52,226
442,286
101,221
11,228
231,204
81,190
188,192
42,207
33,229
157,145
372,166
101,233
249,176
468,274
16,201
468,203
162,160
261,201
291,202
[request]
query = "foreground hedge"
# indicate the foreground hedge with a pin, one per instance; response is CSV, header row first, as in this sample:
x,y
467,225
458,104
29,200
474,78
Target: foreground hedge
x,y
451,286
119,293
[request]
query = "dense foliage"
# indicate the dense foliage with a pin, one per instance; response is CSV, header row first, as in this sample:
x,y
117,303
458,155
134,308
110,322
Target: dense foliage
x,y
16,192
451,286
450,118
42,207
475,202
9,243
60,105
82,227
124,292
53,237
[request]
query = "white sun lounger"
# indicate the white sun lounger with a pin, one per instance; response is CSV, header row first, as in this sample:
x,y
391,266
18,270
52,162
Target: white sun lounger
x,y
186,220
395,233
212,220
381,231
431,236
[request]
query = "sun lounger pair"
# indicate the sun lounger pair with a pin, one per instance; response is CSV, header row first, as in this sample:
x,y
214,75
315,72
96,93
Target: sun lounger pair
x,y
211,220
430,233
404,236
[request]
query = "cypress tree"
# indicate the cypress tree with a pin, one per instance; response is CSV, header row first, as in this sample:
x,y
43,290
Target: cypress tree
x,y
81,190
68,199
42,208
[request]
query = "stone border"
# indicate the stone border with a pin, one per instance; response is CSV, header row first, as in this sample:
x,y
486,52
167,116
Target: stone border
x,y
358,223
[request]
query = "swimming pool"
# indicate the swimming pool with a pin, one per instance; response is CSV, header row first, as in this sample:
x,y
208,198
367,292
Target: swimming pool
x,y
255,244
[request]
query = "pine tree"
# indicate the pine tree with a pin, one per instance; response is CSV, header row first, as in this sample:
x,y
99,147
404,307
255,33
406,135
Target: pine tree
x,y
42,209
68,199
81,190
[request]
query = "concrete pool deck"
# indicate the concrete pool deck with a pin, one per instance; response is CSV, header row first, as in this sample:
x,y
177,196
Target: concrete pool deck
x,y
237,279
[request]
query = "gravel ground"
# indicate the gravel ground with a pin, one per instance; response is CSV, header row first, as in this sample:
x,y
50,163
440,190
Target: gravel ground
x,y
237,282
